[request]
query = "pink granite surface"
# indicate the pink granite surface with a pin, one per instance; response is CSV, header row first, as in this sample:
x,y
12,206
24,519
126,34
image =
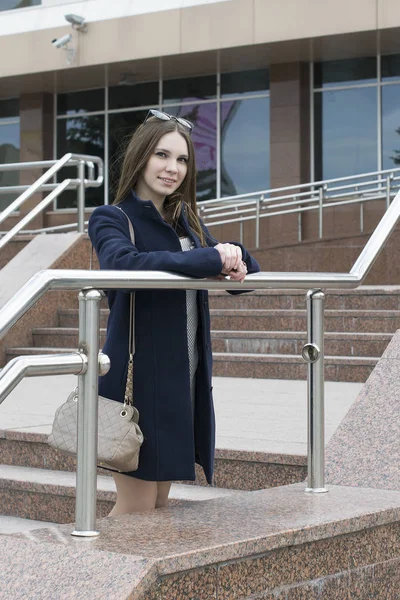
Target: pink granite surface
x,y
278,543
365,449
34,571
197,534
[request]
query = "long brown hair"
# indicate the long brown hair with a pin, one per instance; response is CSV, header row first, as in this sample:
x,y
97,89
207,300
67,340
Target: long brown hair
x,y
140,148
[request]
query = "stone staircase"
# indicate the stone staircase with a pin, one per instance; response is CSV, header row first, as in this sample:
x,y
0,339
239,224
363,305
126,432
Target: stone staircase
x,y
38,482
261,334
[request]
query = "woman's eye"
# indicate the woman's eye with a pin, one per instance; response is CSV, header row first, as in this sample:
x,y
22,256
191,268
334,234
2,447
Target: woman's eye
x,y
161,154
183,159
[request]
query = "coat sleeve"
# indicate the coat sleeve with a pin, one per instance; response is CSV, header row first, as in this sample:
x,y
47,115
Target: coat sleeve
x,y
252,264
109,233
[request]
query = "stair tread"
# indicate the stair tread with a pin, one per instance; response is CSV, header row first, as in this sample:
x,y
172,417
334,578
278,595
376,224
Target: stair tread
x,y
298,312
225,355
51,330
273,311
12,525
242,333
27,477
237,356
364,289
288,334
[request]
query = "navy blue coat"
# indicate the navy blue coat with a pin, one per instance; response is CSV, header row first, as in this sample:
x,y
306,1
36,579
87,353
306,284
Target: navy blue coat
x,y
173,443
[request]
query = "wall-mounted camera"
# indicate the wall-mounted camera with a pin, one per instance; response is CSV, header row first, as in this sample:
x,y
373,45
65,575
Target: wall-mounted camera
x,y
62,41
77,23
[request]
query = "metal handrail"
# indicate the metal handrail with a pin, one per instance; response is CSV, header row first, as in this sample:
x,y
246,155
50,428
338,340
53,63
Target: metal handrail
x,y
301,198
81,161
94,363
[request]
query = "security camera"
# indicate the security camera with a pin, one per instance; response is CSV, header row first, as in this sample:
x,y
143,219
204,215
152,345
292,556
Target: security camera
x,y
77,22
62,41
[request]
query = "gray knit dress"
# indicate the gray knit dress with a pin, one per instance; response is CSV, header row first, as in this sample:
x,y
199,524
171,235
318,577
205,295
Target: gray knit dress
x,y
192,323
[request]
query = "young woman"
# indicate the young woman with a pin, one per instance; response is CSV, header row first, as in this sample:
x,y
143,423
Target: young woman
x,y
173,359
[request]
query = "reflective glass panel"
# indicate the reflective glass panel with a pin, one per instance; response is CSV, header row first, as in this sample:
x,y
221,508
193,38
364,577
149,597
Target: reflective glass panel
x,y
390,67
244,82
121,128
82,135
9,108
391,126
129,96
10,4
346,132
345,72
204,136
9,153
80,102
245,148
189,89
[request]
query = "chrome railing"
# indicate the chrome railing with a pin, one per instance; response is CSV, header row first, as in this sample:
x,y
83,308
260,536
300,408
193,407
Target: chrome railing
x,y
318,196
88,362
81,161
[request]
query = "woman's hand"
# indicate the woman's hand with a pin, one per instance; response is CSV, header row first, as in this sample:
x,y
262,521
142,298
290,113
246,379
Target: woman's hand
x,y
231,257
239,274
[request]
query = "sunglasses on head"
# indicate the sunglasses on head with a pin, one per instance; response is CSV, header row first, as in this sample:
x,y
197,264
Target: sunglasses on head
x,y
166,117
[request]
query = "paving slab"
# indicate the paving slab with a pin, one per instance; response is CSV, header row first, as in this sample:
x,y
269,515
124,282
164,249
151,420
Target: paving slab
x,y
272,412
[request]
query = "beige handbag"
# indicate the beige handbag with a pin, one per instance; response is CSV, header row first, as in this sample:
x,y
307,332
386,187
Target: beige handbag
x,y
119,434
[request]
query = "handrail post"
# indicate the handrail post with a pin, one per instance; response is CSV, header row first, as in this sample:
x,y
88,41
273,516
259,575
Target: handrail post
x,y
320,213
388,178
313,354
81,196
258,221
86,460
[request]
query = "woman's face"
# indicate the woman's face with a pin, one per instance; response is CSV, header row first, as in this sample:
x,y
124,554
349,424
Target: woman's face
x,y
166,168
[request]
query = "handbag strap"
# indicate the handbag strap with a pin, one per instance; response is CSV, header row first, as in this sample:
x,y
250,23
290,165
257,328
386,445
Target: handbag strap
x,y
128,396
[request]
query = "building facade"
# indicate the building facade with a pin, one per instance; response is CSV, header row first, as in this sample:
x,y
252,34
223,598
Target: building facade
x,y
281,93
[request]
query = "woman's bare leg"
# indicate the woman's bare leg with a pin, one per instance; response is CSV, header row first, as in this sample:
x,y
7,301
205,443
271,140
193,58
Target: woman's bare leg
x,y
163,488
133,495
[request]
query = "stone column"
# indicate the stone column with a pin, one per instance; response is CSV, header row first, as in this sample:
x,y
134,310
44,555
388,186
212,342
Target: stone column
x,y
36,137
289,139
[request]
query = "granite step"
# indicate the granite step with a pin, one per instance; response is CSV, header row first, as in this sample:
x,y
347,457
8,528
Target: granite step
x,y
13,525
265,342
366,298
371,321
69,317
59,337
234,469
257,365
46,495
283,366
291,342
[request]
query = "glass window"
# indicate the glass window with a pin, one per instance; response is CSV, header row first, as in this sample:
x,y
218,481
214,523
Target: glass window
x,y
345,72
10,4
390,67
9,153
189,89
129,96
9,108
244,82
82,135
391,126
346,132
244,146
121,128
204,136
80,102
